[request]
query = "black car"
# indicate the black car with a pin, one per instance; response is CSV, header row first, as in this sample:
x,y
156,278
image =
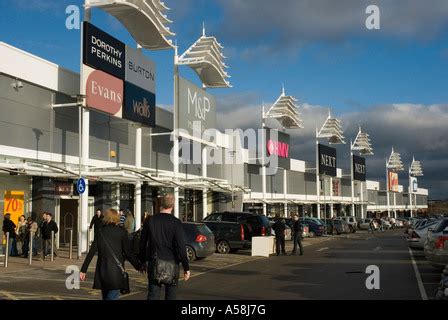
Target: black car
x,y
258,225
334,227
229,236
199,240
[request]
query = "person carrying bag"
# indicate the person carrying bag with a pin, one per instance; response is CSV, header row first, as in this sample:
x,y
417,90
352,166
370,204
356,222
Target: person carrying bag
x,y
162,245
113,247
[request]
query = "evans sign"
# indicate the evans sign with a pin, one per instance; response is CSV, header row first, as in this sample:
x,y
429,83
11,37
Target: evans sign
x,y
359,168
104,52
196,106
140,71
327,161
139,105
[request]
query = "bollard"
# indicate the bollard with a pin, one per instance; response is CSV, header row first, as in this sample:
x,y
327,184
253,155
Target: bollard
x,y
7,250
70,254
30,249
88,240
79,245
52,246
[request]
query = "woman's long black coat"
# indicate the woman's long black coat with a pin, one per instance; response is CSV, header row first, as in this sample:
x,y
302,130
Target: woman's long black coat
x,y
108,275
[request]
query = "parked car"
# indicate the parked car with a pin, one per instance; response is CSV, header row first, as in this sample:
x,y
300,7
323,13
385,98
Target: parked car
x,y
334,228
351,221
315,228
436,245
386,224
364,224
416,239
229,236
258,225
199,240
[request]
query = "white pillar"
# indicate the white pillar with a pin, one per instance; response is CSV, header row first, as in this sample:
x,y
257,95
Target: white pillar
x,y
176,138
387,191
263,168
331,198
85,196
204,176
317,176
395,204
362,200
285,191
353,213
138,185
410,194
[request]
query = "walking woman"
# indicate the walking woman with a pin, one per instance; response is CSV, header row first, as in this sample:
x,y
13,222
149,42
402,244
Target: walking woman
x,y
112,244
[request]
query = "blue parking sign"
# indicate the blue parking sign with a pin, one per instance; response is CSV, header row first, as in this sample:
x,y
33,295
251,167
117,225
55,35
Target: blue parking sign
x,y
81,186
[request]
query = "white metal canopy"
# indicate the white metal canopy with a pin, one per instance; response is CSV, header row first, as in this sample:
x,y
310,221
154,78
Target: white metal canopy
x,y
285,111
362,143
332,130
144,19
206,59
395,162
416,168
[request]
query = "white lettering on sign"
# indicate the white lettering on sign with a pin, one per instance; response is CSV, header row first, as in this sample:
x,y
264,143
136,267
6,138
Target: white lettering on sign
x,y
200,105
106,93
106,52
279,149
359,168
328,161
142,108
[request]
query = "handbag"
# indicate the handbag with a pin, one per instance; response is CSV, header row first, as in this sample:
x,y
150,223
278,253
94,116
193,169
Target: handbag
x,y
125,276
163,272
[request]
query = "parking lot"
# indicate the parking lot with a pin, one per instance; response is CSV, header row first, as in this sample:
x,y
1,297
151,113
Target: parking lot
x,y
333,267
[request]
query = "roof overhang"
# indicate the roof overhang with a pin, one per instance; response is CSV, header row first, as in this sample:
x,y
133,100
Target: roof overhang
x,y
144,19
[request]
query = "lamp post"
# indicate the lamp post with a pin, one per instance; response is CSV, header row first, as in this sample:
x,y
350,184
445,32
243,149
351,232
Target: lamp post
x,y
332,131
364,147
285,111
395,165
415,170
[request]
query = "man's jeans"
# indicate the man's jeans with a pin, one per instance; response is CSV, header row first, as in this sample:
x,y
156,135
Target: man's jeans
x,y
110,294
154,292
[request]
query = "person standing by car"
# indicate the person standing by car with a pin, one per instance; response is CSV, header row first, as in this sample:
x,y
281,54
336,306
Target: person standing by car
x,y
279,228
297,235
111,244
47,229
162,245
10,227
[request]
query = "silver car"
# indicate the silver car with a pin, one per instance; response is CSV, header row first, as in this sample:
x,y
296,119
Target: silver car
x,y
436,245
416,239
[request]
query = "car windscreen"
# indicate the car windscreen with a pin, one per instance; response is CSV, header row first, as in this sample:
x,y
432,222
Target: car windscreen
x,y
203,229
441,226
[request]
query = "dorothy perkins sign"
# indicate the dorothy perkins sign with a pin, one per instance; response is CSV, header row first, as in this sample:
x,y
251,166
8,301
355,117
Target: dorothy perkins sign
x,y
103,52
359,168
327,161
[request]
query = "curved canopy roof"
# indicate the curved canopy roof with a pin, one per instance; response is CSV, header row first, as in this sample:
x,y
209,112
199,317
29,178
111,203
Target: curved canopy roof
x,y
285,111
332,130
144,19
416,168
395,162
362,143
206,59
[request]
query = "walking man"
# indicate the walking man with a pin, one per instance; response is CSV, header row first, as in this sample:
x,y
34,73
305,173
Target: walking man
x,y
297,235
10,227
162,244
279,229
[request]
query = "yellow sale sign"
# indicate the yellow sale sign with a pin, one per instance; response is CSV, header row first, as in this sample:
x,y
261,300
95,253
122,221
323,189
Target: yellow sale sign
x,y
14,204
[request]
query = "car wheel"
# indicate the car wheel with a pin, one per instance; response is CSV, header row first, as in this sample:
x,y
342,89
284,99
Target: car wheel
x,y
223,247
312,234
191,255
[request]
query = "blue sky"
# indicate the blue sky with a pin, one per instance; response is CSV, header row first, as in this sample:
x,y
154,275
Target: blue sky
x,y
320,50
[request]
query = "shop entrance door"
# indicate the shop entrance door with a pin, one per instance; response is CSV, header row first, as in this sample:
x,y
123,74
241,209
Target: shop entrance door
x,y
68,221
